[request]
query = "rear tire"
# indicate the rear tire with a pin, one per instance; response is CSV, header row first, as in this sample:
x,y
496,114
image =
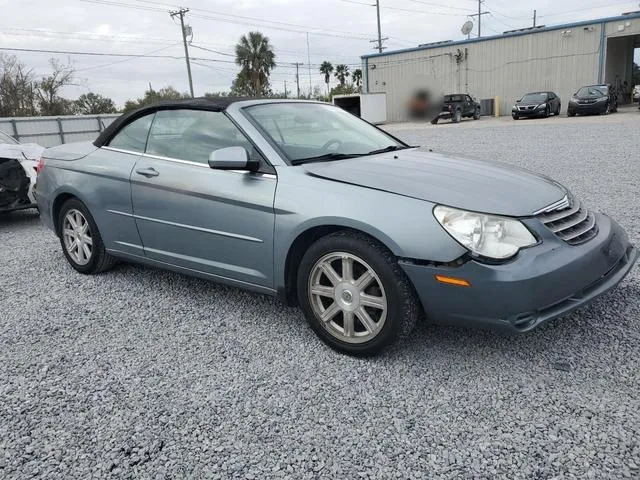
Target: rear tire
x,y
80,239
476,114
340,272
558,110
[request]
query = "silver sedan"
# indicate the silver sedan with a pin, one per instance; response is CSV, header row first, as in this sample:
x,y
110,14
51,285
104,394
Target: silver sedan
x,y
307,202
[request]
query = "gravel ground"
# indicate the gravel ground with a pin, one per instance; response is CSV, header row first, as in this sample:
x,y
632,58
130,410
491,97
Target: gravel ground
x,y
139,373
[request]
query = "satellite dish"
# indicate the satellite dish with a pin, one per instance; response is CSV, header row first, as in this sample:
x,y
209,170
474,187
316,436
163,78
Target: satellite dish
x,y
467,27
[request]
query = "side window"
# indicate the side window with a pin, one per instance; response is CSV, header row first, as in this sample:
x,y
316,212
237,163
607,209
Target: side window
x,y
134,135
193,134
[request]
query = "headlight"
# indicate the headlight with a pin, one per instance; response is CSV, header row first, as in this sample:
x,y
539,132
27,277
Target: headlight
x,y
489,236
542,105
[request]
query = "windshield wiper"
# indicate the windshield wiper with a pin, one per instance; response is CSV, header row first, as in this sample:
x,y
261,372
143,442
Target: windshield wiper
x,y
390,148
325,157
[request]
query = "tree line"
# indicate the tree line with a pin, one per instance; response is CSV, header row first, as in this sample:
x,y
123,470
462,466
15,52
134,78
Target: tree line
x,y
22,94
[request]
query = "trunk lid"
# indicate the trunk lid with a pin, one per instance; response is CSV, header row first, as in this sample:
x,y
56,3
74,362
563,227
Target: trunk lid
x,y
70,151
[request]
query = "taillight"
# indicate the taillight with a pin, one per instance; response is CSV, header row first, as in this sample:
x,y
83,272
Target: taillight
x,y
40,165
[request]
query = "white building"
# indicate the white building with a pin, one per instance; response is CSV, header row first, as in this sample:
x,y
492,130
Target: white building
x,y
560,58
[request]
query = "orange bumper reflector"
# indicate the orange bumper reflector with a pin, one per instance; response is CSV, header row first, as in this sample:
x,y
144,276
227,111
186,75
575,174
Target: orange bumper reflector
x,y
453,281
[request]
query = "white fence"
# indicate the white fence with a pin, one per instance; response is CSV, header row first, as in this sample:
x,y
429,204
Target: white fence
x,y
52,131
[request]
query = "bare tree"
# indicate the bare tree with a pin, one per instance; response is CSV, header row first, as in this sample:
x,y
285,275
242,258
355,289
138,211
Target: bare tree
x,y
48,90
17,93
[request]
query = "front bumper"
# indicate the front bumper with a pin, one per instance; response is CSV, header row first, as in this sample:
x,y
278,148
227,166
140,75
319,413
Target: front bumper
x,y
582,109
541,283
536,112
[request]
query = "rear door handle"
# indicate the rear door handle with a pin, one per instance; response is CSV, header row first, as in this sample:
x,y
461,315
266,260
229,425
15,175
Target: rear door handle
x,y
148,172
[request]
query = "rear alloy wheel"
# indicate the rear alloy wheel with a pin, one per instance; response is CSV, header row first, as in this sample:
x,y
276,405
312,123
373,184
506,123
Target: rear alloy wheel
x,y
81,242
354,294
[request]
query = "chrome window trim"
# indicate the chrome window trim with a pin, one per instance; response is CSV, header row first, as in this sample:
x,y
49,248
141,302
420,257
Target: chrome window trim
x,y
121,150
204,165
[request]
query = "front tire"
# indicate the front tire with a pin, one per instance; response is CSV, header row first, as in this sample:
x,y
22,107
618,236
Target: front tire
x,y
476,114
457,116
354,294
80,239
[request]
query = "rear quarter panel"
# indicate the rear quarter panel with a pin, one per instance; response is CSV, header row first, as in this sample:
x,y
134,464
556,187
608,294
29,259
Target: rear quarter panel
x,y
101,181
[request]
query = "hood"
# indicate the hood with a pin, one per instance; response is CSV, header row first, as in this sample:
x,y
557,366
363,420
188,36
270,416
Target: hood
x,y
30,151
475,185
70,151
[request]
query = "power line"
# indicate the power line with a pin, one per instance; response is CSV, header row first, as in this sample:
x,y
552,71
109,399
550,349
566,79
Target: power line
x,y
431,4
97,54
146,54
594,7
408,10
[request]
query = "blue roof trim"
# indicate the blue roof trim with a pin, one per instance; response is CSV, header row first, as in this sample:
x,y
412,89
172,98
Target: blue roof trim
x,y
505,35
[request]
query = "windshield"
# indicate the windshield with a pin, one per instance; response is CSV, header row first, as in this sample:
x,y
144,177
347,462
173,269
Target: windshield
x,y
534,97
314,132
589,91
4,138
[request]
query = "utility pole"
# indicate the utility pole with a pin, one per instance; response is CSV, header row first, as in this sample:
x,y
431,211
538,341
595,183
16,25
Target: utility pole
x,y
285,89
297,64
479,15
534,18
379,29
181,13
309,63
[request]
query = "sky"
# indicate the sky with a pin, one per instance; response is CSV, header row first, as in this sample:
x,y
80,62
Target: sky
x,y
339,31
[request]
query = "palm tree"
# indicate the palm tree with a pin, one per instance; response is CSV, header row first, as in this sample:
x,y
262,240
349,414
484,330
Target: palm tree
x,y
357,77
327,69
342,73
255,55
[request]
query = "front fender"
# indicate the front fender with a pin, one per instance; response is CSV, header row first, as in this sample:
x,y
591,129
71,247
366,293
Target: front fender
x,y
405,225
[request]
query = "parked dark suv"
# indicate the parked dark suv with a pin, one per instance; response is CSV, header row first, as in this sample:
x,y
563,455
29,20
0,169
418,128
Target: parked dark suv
x,y
536,104
456,106
600,99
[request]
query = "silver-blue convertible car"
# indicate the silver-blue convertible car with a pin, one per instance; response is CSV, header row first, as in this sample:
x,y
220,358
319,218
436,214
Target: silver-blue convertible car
x,y
307,202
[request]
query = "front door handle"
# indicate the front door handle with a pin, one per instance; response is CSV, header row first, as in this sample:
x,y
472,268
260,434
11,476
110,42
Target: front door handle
x,y
148,172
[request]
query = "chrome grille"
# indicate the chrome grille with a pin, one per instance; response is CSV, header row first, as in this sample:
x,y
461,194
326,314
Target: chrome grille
x,y
570,222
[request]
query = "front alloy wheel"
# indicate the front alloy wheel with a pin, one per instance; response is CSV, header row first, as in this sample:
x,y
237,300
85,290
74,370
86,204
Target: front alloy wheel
x,y
354,294
349,298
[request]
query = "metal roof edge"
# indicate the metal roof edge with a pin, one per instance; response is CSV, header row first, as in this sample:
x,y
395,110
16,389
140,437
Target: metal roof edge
x,y
504,35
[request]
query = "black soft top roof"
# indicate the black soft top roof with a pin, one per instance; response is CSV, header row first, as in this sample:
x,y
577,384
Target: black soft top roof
x,y
217,104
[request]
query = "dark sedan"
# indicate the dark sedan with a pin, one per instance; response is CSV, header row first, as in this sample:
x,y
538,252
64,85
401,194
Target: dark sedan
x,y
536,104
593,99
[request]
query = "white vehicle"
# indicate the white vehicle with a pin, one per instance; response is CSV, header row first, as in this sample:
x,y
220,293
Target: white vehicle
x,y
18,163
636,93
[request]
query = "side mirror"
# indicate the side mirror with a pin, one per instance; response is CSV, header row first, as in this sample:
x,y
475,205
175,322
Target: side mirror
x,y
231,158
